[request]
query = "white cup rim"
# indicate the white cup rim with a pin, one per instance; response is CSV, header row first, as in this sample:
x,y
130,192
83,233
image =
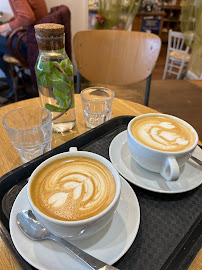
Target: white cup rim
x,y
77,222
160,151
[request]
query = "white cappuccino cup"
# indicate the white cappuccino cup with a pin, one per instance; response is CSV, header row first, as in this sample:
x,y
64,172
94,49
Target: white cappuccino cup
x,y
74,194
161,143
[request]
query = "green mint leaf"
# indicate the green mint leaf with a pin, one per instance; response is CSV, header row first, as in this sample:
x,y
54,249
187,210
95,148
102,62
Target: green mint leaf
x,y
53,108
44,67
42,80
56,75
67,67
62,100
58,80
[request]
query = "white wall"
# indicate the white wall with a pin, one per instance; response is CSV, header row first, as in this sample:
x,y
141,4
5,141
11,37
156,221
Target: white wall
x,y
79,12
7,12
79,16
78,8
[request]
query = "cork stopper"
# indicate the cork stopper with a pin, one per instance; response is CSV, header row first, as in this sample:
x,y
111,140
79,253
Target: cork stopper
x,y
50,36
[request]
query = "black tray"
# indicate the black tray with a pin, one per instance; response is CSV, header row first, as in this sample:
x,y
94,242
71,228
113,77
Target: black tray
x,y
169,236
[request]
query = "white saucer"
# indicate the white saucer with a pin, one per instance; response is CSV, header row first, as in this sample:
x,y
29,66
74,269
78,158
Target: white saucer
x,y
109,245
190,177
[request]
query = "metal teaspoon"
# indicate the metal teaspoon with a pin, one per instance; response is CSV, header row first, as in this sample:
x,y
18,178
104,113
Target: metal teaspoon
x,y
32,228
198,161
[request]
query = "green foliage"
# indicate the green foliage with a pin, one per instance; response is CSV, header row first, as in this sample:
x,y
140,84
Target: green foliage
x,y
191,19
56,75
191,23
117,13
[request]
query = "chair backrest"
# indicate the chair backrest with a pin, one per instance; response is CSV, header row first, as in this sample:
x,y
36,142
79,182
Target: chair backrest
x,y
179,42
21,34
115,57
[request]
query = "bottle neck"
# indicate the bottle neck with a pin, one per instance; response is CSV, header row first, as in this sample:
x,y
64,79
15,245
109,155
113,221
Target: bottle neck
x,y
51,43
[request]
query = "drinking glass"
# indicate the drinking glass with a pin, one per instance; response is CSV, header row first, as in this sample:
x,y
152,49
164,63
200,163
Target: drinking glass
x,y
97,105
30,131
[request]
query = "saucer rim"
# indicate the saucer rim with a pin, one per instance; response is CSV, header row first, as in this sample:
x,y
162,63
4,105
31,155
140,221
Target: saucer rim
x,y
127,242
123,172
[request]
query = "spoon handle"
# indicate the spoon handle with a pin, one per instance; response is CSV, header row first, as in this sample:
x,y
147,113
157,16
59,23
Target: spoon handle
x,y
197,160
94,263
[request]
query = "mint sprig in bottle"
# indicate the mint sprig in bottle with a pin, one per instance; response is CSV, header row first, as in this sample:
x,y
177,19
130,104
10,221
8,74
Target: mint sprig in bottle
x,y
54,73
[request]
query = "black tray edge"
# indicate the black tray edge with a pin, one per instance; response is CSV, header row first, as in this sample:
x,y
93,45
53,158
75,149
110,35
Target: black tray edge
x,y
180,253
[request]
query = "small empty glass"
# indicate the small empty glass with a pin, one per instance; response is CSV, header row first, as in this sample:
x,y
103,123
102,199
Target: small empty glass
x,y
97,105
30,131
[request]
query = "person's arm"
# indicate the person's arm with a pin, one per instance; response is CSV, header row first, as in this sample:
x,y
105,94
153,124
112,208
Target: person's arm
x,y
23,14
5,29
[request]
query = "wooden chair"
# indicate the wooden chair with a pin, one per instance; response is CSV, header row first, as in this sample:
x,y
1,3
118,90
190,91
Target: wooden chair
x,y
177,54
113,57
17,62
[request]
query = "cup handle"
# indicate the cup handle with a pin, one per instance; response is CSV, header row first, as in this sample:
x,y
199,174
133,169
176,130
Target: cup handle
x,y
170,170
73,149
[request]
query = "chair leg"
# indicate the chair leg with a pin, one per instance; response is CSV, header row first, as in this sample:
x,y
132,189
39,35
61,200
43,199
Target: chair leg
x,y
170,68
14,76
180,71
166,68
78,82
147,91
15,86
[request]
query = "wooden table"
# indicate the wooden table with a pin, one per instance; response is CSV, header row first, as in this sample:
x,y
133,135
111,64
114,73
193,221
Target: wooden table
x,y
9,158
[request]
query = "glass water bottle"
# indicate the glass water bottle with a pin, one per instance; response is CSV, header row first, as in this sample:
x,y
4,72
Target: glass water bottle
x,y
54,73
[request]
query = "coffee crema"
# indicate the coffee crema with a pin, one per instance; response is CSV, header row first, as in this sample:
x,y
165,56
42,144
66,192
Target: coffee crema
x,y
73,188
163,133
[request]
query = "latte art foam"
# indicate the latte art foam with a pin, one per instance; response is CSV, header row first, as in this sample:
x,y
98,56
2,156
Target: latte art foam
x,y
73,188
163,133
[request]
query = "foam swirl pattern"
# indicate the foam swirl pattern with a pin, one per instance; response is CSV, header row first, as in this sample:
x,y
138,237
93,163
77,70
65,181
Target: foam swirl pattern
x,y
163,133
73,188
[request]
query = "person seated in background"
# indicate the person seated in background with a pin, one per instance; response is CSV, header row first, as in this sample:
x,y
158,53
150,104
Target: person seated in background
x,y
26,13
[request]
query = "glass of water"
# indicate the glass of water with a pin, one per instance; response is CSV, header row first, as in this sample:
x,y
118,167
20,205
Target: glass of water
x,y
97,105
30,131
